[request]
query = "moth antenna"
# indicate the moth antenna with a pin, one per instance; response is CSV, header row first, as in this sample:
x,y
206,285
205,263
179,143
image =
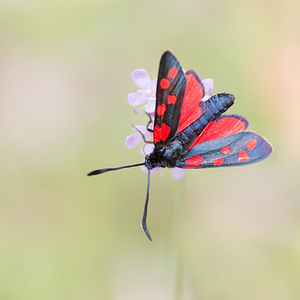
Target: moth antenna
x,y
145,209
100,171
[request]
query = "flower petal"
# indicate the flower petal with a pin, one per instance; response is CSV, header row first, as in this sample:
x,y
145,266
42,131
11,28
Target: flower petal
x,y
153,85
178,173
145,170
144,131
206,97
137,98
133,140
150,107
147,149
208,85
152,115
141,78
141,128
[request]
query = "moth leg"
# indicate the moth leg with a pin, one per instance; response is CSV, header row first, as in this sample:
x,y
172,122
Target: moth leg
x,y
148,125
143,136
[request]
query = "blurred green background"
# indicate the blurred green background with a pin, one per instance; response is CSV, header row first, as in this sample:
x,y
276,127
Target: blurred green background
x,y
231,233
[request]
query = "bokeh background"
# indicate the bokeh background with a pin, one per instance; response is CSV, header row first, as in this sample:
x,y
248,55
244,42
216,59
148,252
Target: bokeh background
x,y
231,233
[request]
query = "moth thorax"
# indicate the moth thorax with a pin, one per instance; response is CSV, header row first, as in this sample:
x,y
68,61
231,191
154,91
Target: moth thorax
x,y
165,157
172,154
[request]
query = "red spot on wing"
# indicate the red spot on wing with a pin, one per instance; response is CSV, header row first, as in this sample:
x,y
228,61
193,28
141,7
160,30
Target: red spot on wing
x,y
172,72
190,110
218,162
243,156
192,166
220,128
195,160
161,109
171,99
251,144
164,83
157,134
226,150
165,131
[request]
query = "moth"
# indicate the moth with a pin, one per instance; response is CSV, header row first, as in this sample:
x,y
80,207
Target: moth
x,y
193,133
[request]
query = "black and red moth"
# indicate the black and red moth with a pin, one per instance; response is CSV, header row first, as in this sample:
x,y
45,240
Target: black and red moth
x,y
191,133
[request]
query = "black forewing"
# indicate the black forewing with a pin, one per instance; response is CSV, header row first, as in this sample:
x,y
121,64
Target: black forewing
x,y
171,85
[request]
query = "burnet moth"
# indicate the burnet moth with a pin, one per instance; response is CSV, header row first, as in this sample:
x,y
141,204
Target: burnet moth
x,y
192,133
